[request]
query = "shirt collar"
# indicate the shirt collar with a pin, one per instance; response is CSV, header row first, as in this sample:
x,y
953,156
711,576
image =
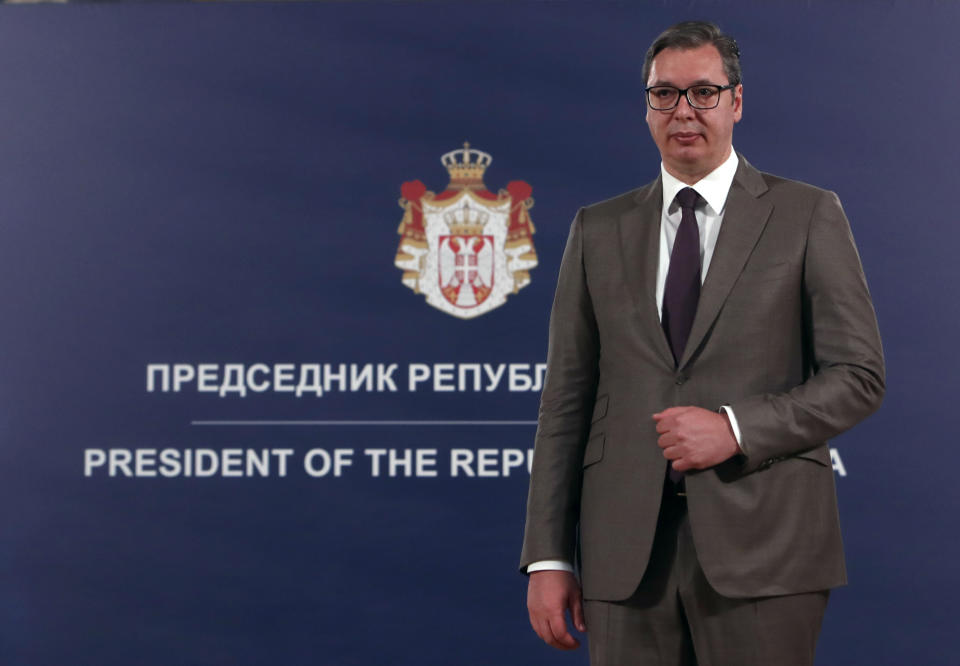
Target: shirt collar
x,y
713,187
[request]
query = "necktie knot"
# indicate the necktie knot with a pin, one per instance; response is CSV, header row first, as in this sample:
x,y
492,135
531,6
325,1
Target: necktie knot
x,y
687,197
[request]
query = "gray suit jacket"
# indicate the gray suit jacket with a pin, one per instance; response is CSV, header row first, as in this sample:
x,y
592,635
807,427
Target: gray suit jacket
x,y
785,333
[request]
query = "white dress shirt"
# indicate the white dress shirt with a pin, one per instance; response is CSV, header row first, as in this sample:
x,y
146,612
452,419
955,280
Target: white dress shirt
x,y
713,189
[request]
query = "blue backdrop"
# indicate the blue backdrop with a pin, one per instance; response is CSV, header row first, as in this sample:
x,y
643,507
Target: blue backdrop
x,y
218,184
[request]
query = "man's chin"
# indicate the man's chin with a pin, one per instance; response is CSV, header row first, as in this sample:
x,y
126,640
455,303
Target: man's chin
x,y
689,154
688,159
688,164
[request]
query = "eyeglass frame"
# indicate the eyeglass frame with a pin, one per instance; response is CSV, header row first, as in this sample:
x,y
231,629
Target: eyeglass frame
x,y
683,93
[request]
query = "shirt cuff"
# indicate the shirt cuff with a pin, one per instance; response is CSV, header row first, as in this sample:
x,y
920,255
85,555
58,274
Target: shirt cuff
x,y
734,425
549,565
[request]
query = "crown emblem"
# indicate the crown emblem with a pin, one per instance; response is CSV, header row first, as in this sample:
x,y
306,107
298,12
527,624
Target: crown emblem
x,y
466,221
466,166
466,249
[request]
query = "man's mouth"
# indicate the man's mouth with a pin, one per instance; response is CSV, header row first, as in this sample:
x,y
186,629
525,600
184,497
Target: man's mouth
x,y
685,137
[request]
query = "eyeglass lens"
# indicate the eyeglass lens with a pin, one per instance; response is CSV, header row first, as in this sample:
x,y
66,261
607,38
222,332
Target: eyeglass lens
x,y
699,97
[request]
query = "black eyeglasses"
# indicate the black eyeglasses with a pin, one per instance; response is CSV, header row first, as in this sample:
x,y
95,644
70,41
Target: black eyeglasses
x,y
703,96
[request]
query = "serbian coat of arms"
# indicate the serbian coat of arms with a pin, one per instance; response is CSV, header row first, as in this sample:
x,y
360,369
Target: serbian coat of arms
x,y
466,248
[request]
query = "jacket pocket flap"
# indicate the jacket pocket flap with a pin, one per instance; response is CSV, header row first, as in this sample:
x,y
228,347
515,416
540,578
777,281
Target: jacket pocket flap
x,y
763,273
600,408
594,450
821,454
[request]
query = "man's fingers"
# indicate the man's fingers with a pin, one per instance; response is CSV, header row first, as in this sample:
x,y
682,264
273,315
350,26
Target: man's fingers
x,y
537,624
676,455
557,638
668,412
549,595
576,611
543,631
678,461
561,637
668,440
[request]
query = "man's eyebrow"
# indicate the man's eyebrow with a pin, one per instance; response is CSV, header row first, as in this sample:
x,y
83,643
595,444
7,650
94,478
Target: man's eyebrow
x,y
698,82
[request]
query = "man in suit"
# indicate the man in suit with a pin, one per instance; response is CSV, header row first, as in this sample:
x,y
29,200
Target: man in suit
x,y
710,331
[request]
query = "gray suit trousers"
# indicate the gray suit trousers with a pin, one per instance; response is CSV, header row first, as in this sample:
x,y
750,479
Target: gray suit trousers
x,y
675,617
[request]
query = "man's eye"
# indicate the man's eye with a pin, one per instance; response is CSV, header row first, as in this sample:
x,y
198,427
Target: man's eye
x,y
662,93
704,93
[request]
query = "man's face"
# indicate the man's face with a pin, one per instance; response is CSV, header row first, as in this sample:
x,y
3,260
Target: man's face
x,y
693,142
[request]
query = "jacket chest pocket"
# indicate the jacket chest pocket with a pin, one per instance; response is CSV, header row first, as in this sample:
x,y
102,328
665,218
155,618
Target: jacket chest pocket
x,y
593,452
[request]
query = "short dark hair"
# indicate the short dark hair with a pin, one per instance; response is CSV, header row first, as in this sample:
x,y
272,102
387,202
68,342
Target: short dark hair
x,y
694,34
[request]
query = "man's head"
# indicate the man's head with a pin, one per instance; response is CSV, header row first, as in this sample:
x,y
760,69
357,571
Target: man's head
x,y
694,141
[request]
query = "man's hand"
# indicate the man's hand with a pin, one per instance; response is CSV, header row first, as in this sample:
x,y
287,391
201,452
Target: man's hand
x,y
549,595
695,438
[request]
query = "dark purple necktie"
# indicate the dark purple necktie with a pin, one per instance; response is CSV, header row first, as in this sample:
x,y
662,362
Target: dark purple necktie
x,y
682,291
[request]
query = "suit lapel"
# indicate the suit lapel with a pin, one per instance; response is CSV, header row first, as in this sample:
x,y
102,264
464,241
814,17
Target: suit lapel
x,y
640,251
744,218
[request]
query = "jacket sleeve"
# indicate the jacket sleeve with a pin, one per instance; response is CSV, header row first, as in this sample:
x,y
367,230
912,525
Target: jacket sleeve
x,y
846,383
565,408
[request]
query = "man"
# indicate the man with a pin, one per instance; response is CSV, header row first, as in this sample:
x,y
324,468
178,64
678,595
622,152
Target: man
x,y
710,332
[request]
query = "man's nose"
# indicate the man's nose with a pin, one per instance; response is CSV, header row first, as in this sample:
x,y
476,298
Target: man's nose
x,y
683,107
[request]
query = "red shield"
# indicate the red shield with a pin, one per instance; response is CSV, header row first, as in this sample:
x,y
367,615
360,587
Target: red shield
x,y
466,269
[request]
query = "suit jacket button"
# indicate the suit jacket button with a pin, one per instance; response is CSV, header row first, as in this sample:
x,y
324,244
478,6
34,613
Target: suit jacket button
x,y
680,379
